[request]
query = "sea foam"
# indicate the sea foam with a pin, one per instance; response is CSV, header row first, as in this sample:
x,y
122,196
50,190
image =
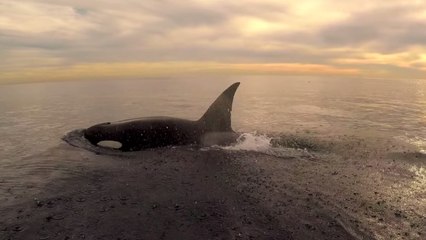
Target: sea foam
x,y
262,143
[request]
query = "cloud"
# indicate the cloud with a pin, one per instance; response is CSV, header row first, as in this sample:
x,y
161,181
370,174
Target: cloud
x,y
383,29
338,34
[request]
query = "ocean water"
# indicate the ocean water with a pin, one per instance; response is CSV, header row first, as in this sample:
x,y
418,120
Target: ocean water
x,y
283,117
35,116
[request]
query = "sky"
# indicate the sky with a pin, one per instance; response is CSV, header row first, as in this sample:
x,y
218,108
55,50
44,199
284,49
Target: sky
x,y
80,39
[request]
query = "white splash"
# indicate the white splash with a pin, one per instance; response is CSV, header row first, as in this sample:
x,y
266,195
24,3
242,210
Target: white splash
x,y
417,141
251,142
262,143
418,186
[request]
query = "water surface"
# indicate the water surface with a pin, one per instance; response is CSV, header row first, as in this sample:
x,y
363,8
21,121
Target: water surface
x,y
35,116
355,142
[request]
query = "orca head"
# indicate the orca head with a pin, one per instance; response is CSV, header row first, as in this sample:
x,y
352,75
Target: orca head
x,y
97,133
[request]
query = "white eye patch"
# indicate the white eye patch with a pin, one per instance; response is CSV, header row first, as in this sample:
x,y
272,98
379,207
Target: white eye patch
x,y
110,144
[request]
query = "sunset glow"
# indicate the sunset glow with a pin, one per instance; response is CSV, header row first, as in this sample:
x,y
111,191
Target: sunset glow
x,y
57,40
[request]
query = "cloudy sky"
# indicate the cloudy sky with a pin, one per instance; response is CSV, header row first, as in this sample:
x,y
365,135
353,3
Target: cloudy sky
x,y
80,39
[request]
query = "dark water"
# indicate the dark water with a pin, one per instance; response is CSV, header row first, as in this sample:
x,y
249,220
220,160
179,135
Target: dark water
x,y
297,117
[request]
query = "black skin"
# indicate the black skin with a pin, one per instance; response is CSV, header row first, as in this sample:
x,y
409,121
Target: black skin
x,y
145,133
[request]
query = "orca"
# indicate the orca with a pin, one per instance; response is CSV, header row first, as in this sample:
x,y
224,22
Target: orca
x,y
153,132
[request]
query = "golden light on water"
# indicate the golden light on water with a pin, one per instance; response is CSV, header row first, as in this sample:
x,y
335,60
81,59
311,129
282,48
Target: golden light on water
x,y
147,69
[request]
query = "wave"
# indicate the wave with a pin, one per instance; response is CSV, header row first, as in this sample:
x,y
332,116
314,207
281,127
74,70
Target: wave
x,y
417,141
269,145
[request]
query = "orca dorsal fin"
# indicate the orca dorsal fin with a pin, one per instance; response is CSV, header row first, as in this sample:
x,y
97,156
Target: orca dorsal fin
x,y
218,117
